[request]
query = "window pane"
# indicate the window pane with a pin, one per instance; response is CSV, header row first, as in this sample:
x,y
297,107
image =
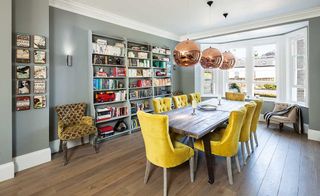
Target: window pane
x,y
300,77
300,62
298,95
265,90
208,82
264,63
300,47
240,56
237,87
237,74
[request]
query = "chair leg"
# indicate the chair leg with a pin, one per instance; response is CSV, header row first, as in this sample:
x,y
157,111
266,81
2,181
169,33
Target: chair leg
x,y
191,162
244,162
256,138
237,162
82,141
65,150
146,175
251,141
165,182
229,170
60,146
248,149
281,126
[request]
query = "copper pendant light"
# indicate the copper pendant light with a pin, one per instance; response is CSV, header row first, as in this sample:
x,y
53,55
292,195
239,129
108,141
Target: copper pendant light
x,y
187,53
211,58
228,61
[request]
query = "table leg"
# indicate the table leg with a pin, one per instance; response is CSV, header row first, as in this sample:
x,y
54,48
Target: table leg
x,y
209,158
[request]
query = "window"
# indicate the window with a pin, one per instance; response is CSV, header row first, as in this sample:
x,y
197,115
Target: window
x,y
237,75
264,71
273,68
298,66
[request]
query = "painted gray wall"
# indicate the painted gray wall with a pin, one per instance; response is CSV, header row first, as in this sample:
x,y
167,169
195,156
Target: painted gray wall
x,y
30,128
314,73
5,83
69,31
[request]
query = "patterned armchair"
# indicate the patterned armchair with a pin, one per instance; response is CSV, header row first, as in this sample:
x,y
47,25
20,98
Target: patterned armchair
x,y
72,124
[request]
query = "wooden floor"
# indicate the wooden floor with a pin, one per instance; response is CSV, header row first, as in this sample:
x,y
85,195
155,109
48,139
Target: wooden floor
x,y
285,163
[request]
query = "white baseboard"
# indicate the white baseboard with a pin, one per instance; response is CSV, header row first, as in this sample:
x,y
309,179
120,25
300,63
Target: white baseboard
x,y
54,145
6,171
32,159
313,135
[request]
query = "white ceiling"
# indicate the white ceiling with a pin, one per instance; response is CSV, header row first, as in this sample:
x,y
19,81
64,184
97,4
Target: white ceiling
x,y
264,32
181,17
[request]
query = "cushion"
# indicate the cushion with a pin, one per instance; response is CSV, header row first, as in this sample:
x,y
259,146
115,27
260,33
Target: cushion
x,y
77,131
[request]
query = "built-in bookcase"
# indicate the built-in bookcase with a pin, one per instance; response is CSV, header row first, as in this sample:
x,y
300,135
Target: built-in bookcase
x,y
124,78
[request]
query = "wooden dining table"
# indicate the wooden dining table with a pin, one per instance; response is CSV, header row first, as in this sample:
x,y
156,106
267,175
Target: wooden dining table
x,y
200,124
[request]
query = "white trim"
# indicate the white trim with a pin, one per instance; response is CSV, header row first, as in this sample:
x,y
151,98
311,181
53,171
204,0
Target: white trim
x,y
6,171
291,17
314,135
54,145
32,159
85,10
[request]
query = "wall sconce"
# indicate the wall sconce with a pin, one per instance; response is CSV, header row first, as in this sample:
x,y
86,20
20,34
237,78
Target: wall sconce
x,y
69,60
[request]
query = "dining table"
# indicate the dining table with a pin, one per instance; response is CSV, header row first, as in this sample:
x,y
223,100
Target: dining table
x,y
197,123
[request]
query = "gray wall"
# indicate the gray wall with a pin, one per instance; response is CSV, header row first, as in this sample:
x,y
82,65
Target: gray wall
x,y
314,73
5,83
69,31
30,128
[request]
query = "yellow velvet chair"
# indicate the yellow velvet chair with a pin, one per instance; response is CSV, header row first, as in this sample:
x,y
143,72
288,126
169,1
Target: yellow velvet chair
x,y
225,141
180,101
245,130
72,125
161,105
235,96
160,150
254,123
195,96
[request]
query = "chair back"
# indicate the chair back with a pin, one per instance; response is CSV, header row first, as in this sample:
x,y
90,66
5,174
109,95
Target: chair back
x,y
280,106
71,114
180,101
235,96
161,105
245,130
155,132
256,115
195,96
230,138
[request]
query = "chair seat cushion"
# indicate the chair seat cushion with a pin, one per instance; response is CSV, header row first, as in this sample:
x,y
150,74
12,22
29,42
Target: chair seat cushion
x,y
280,119
77,131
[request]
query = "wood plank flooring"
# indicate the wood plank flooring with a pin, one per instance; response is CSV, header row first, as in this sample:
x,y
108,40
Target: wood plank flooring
x,y
285,163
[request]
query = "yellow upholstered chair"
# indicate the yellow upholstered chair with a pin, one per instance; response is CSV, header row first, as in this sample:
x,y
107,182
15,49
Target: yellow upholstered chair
x,y
160,150
245,130
254,123
235,96
195,96
180,101
72,124
225,141
161,105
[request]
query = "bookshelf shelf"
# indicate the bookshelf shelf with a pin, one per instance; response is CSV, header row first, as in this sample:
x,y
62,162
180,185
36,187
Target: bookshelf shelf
x,y
137,77
111,102
116,89
117,134
136,67
137,88
112,119
108,55
141,98
108,65
109,77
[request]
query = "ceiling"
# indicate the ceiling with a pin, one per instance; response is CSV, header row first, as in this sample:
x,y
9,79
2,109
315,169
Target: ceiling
x,y
181,17
259,33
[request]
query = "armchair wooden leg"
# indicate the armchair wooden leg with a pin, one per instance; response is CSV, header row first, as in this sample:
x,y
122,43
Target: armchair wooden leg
x,y
229,170
244,162
296,127
96,144
165,182
281,126
251,141
60,146
248,149
256,138
82,141
191,162
146,175
65,150
237,162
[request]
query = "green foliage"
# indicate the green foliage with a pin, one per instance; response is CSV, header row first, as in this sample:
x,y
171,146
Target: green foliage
x,y
235,86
